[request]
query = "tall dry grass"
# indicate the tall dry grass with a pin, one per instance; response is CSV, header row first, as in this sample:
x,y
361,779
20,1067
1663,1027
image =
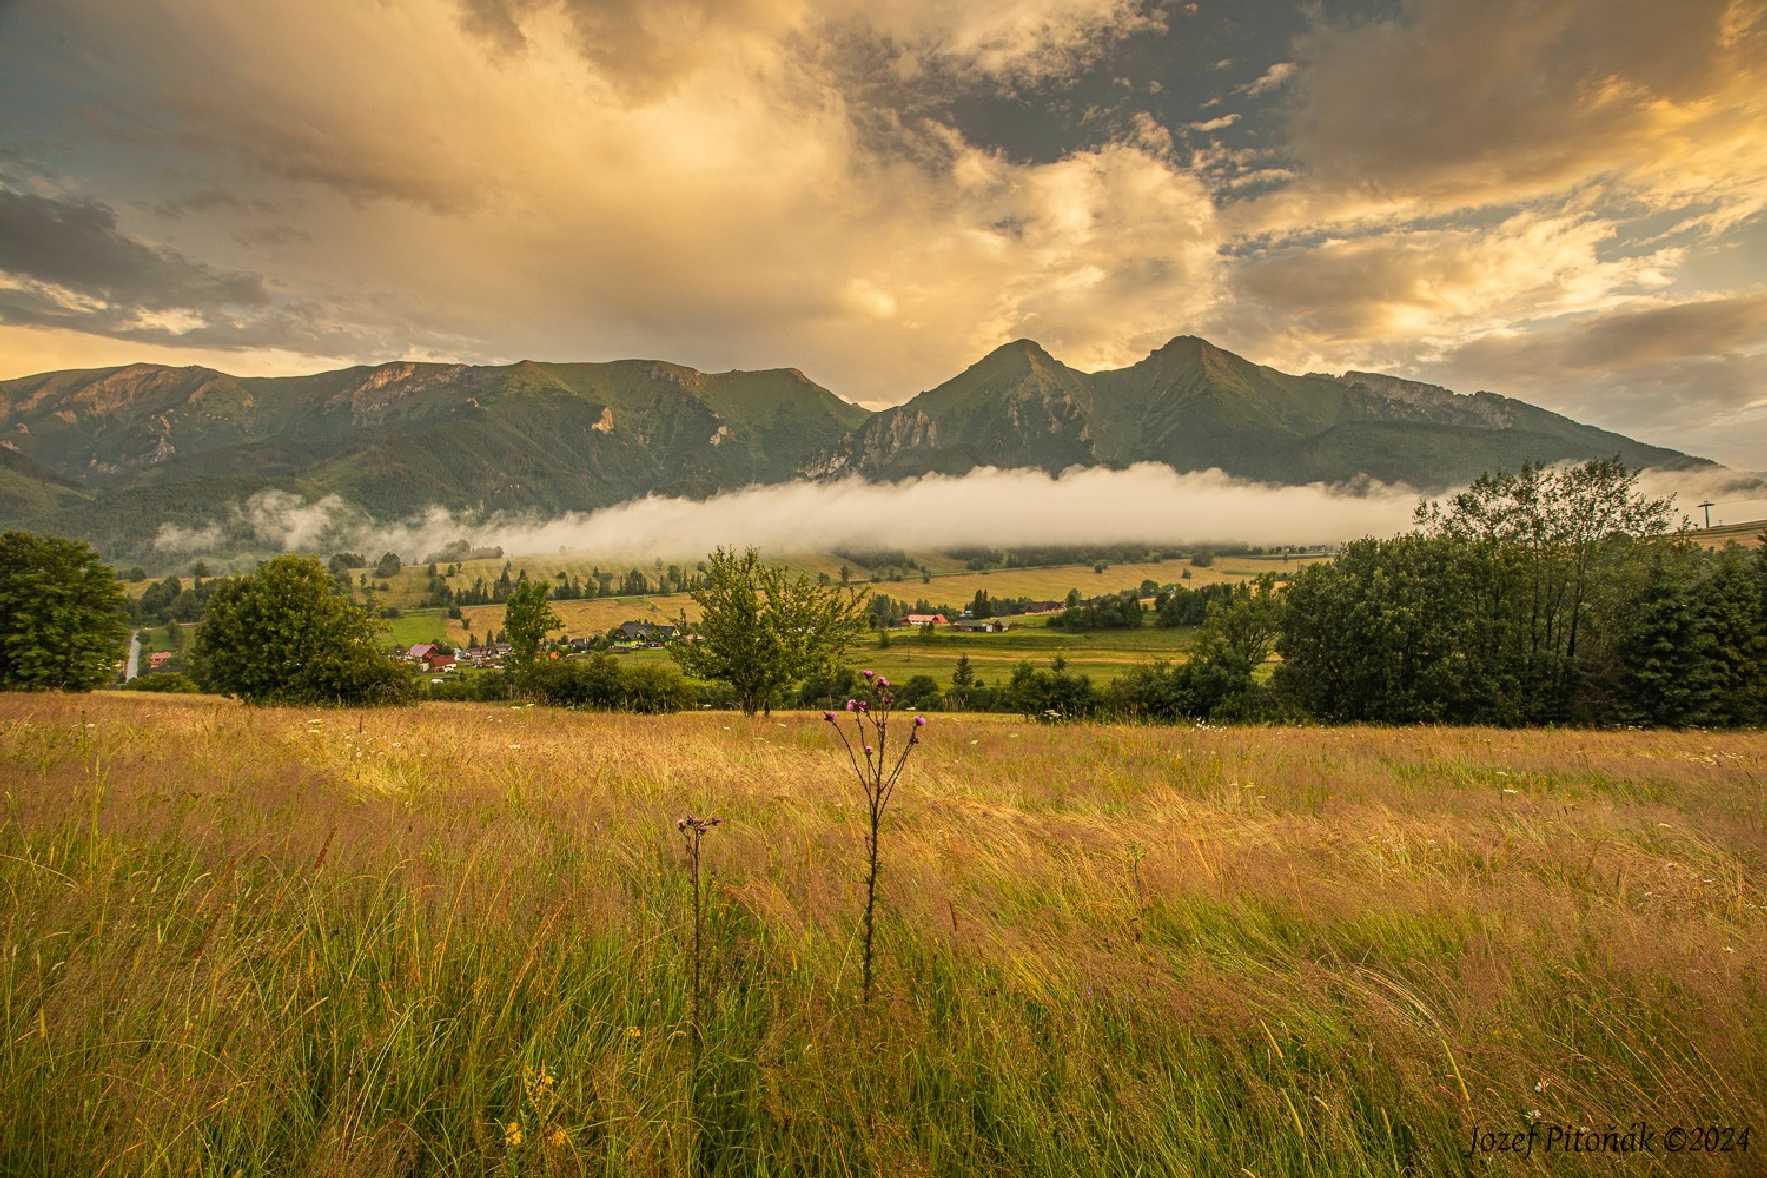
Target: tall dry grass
x,y
455,939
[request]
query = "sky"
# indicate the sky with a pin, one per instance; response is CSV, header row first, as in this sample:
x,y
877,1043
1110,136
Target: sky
x,y
1561,200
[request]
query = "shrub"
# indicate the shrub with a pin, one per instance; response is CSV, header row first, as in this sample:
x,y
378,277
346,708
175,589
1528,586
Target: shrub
x,y
600,683
285,635
174,681
61,615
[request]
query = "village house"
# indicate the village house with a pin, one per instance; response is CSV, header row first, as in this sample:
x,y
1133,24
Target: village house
x,y
981,625
926,620
158,659
643,632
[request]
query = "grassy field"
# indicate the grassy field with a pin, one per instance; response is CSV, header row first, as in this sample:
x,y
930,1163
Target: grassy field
x,y
453,939
1103,655
950,582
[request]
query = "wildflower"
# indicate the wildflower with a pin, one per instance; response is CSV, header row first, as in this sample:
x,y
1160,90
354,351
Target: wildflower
x,y
852,705
512,1134
920,721
882,682
868,750
829,716
867,674
557,1138
633,1032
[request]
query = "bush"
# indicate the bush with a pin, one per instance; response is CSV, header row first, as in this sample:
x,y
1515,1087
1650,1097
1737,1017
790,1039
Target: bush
x,y
1052,696
61,615
285,635
173,681
922,692
599,682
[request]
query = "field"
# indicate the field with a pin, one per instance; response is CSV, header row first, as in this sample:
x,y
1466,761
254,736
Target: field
x,y
1104,654
1748,535
454,939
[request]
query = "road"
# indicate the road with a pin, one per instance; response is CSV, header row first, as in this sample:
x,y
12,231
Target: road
x,y
133,667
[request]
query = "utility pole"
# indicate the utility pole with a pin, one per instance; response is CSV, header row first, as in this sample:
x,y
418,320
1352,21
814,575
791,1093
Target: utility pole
x,y
1708,505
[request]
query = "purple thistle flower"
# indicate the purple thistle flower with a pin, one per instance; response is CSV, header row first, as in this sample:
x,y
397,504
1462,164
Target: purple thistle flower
x,y
852,705
867,674
829,716
868,750
863,707
920,721
882,682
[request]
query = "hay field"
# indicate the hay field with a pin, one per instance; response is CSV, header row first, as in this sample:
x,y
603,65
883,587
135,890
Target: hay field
x,y
360,943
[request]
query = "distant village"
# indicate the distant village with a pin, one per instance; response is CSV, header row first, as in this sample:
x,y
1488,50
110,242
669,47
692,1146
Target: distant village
x,y
439,657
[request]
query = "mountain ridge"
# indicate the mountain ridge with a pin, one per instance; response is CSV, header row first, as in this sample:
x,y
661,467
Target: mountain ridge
x,y
111,453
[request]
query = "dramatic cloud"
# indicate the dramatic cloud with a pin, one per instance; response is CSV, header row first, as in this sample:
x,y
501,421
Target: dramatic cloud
x,y
73,246
1218,124
1271,79
1697,368
1409,285
880,193
1453,105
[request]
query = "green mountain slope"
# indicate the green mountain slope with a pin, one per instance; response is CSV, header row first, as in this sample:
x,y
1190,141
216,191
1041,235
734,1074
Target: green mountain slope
x,y
113,454
131,448
1194,406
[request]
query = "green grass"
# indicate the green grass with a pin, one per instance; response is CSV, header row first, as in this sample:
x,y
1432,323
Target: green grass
x,y
260,941
414,626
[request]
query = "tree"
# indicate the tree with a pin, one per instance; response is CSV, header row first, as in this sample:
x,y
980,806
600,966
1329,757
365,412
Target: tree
x,y
61,615
341,563
1543,536
388,566
1240,632
761,630
528,617
286,635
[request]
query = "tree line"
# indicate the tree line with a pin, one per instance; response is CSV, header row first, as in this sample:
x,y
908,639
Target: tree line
x,y
1548,596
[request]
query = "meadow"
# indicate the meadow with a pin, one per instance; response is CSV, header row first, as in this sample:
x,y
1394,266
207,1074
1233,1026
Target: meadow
x,y
454,939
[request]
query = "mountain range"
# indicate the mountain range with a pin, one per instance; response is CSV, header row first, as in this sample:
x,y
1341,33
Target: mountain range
x,y
111,454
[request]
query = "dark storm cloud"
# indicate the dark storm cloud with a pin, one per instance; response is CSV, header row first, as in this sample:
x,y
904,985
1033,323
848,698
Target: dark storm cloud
x,y
75,244
65,263
1693,374
212,200
1458,104
1714,334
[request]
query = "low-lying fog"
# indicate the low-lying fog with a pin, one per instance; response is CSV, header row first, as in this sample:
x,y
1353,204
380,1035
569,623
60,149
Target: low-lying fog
x,y
1146,503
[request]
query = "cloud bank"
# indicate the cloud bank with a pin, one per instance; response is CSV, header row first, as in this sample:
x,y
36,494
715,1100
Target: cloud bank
x,y
1145,503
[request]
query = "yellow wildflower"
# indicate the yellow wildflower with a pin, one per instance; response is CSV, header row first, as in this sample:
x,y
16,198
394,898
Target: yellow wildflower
x,y
512,1134
557,1138
633,1033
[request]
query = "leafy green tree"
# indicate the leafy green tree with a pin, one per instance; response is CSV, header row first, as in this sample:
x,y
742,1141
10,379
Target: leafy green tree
x,y
527,618
286,635
921,691
1544,538
762,629
61,615
1240,632
388,566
